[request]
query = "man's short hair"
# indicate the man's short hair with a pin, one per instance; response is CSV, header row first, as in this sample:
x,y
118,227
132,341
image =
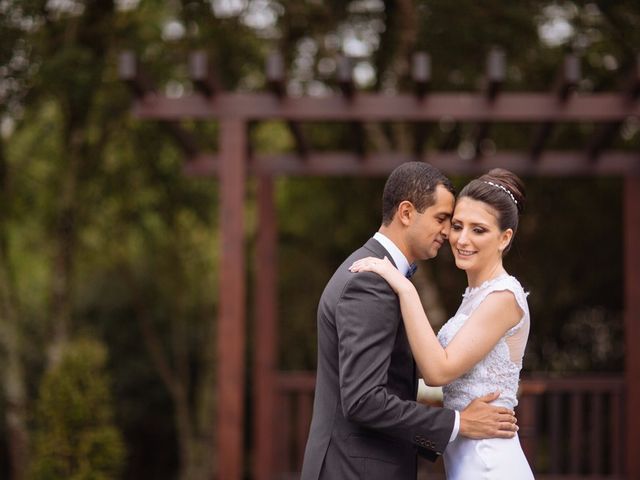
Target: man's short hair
x,y
415,182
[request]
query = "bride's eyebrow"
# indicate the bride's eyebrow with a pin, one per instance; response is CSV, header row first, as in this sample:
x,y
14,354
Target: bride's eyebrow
x,y
473,224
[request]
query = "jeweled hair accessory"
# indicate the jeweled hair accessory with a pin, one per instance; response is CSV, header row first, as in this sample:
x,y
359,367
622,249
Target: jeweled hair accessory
x,y
501,187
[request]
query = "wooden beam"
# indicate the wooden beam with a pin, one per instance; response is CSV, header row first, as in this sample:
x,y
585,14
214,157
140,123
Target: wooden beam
x,y
527,414
130,72
276,79
202,74
345,76
632,321
347,86
494,78
551,163
566,82
569,77
496,72
421,76
421,72
231,322
605,134
460,107
266,331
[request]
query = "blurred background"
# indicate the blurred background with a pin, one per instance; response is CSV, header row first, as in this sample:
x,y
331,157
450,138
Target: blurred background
x,y
109,253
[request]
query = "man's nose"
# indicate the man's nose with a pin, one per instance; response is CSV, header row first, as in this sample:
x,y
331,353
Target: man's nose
x,y
446,229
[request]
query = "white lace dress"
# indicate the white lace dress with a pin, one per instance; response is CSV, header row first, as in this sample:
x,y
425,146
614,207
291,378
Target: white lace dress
x,y
491,459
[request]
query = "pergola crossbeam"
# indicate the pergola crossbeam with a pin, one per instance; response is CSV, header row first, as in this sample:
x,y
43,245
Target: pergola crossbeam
x,y
551,163
460,107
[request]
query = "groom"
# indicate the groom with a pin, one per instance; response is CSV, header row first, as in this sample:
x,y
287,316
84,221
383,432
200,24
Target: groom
x,y
366,423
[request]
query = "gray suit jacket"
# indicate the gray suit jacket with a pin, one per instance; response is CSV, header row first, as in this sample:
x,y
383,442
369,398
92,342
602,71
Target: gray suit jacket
x,y
366,423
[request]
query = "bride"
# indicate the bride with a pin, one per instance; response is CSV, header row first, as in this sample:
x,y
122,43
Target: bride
x,y
480,349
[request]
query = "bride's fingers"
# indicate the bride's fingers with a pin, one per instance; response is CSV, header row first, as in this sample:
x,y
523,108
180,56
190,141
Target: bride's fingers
x,y
359,265
361,262
370,264
364,263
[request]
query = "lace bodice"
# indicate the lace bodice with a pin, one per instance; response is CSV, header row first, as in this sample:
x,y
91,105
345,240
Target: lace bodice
x,y
500,369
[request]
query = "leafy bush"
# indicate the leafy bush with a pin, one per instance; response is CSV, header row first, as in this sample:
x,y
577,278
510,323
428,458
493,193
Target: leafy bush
x,y
75,437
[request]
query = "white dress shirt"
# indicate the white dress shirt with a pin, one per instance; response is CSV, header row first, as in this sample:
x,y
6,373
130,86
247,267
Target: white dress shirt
x,y
402,264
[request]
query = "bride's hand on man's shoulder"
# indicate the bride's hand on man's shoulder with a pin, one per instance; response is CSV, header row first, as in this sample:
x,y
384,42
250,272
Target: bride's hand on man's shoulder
x,y
384,268
381,266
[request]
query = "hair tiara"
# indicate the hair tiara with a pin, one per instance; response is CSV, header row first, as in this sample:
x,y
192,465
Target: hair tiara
x,y
503,188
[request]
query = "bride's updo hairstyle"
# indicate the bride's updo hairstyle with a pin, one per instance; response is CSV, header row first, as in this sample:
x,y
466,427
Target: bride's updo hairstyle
x,y
504,192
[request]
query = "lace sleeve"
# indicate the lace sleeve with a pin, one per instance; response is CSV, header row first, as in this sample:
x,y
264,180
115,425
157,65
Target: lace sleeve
x,y
516,337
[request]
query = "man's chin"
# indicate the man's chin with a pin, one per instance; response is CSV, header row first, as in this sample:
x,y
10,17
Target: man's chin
x,y
431,254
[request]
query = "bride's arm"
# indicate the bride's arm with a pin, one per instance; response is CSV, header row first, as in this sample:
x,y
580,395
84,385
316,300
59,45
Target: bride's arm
x,y
439,366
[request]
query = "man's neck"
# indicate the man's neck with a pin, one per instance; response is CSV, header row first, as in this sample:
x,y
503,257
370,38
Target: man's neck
x,y
398,239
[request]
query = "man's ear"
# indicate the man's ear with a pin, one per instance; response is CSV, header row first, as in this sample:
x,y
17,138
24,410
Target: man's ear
x,y
405,212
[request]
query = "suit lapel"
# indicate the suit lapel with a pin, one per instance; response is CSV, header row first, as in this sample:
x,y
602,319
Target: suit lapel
x,y
378,250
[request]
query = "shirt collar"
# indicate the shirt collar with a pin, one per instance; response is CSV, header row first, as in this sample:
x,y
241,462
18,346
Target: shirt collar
x,y
398,257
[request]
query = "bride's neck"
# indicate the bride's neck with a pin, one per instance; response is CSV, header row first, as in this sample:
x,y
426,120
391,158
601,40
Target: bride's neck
x,y
476,278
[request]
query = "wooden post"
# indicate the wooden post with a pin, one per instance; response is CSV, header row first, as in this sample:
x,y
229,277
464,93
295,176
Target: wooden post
x,y
266,292
231,324
632,321
526,413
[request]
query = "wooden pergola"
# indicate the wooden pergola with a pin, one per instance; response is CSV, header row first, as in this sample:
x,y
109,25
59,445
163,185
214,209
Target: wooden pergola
x,y
234,163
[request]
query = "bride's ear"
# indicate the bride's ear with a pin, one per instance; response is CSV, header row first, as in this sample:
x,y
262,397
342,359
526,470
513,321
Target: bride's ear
x,y
505,238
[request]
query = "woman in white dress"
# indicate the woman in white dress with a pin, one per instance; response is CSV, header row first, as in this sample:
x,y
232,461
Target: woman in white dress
x,y
480,349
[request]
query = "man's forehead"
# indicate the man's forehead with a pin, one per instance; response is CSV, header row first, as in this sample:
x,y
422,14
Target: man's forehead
x,y
443,198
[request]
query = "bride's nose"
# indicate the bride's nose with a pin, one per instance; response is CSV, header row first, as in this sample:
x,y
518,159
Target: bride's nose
x,y
462,237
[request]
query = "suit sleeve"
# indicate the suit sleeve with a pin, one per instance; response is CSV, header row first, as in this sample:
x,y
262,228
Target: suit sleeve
x,y
367,317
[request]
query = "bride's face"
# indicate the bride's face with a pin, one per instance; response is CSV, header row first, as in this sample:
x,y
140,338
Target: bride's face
x,y
476,239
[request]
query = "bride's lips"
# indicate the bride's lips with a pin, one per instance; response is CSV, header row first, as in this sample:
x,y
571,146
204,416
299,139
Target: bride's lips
x,y
465,253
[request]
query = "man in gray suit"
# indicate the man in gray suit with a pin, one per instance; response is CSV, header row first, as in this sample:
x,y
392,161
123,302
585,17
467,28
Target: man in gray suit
x,y
366,423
